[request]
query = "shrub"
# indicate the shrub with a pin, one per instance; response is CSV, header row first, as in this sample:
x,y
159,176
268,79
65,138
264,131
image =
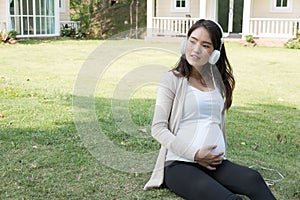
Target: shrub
x,y
68,31
249,39
13,34
73,32
8,37
293,43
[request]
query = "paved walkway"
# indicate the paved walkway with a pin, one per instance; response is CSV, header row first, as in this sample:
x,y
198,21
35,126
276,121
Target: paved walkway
x,y
262,41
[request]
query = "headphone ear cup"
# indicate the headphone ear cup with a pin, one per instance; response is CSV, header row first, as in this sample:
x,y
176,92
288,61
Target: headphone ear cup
x,y
183,46
214,57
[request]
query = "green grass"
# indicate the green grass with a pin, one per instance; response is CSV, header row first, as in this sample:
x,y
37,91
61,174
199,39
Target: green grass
x,y
43,155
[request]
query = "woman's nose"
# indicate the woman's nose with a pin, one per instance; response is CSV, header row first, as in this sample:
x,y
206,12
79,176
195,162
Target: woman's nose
x,y
197,48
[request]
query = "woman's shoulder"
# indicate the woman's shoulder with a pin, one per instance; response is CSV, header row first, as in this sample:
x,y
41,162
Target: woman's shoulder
x,y
172,79
173,75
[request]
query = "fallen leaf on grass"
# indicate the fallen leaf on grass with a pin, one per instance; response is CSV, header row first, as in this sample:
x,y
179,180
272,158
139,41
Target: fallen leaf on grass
x,y
1,115
280,139
33,165
255,147
143,130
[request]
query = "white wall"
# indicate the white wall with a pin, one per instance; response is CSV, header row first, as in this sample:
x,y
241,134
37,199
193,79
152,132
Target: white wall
x,y
262,9
2,14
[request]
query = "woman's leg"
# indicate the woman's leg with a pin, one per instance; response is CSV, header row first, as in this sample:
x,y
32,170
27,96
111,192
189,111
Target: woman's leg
x,y
190,182
242,180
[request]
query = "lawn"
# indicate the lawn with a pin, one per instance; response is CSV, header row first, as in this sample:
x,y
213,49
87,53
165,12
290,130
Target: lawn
x,y
75,117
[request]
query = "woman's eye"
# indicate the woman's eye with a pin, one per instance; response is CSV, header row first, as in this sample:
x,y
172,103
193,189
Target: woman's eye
x,y
206,46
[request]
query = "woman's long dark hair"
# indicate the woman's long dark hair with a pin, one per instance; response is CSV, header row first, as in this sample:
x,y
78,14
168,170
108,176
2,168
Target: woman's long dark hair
x,y
223,65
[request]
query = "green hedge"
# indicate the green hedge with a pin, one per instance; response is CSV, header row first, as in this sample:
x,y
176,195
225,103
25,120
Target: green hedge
x,y
293,44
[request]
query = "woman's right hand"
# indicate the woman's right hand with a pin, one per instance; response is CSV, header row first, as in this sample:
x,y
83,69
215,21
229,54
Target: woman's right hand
x,y
207,159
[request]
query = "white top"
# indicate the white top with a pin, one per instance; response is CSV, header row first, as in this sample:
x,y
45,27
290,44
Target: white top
x,y
200,124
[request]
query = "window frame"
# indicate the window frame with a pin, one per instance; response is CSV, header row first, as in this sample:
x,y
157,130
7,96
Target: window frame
x,y
275,8
180,9
37,20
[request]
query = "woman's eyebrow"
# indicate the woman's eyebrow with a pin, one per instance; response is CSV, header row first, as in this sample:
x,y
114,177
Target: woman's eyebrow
x,y
209,43
195,38
204,42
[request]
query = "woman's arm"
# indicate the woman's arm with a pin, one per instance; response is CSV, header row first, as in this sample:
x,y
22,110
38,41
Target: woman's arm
x,y
168,99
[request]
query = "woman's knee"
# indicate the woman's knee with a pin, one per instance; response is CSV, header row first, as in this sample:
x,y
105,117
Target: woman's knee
x,y
257,188
254,177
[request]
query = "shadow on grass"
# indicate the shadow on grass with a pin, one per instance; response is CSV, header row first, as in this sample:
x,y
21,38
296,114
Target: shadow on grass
x,y
271,125
53,162
257,134
267,136
275,127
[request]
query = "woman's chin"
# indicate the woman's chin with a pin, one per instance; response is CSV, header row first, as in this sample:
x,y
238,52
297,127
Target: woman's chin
x,y
198,64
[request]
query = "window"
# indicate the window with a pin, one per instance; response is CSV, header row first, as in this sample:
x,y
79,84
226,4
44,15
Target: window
x,y
32,17
180,6
281,5
62,5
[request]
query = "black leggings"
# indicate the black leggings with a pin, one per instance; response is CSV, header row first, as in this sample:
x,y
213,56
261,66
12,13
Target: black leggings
x,y
192,181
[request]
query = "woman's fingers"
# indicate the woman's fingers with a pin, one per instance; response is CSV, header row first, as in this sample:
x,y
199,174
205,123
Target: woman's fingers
x,y
208,159
210,167
217,162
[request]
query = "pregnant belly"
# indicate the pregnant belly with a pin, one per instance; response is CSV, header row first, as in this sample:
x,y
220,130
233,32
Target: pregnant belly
x,y
215,137
211,134
202,134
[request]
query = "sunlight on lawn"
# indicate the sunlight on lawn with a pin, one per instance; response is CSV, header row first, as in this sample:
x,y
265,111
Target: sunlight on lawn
x,y
45,157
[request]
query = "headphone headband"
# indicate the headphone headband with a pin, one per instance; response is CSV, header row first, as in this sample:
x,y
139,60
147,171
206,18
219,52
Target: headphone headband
x,y
222,33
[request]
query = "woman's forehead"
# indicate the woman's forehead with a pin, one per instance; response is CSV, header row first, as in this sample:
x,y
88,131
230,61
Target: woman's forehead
x,y
200,33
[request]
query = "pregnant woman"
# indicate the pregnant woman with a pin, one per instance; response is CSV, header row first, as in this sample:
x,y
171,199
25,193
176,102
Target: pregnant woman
x,y
189,122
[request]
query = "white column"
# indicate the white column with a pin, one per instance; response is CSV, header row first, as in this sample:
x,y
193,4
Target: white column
x,y
230,16
246,17
150,12
57,17
202,9
6,24
213,10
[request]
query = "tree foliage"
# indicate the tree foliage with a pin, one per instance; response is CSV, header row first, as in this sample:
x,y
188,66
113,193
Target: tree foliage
x,y
103,18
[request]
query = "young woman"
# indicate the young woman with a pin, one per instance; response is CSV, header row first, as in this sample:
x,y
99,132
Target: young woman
x,y
189,122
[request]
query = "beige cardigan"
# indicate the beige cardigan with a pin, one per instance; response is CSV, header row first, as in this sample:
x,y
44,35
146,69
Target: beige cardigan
x,y
167,115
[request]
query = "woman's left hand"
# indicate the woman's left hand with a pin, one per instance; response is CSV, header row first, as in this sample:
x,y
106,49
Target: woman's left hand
x,y
207,159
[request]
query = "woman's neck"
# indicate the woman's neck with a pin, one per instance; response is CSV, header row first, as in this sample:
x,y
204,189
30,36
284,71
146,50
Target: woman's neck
x,y
195,73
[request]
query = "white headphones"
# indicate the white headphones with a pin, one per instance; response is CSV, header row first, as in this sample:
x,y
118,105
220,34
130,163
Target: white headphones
x,y
215,55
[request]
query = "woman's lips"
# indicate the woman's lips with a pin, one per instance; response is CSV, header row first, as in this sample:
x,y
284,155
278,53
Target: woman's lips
x,y
195,57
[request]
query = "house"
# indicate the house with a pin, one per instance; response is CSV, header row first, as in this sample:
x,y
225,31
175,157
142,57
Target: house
x,y
38,18
260,18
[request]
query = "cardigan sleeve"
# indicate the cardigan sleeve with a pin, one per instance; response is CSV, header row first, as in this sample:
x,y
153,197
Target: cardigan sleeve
x,y
169,102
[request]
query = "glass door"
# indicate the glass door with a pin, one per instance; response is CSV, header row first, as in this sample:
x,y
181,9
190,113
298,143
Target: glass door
x,y
237,16
223,14
230,15
32,17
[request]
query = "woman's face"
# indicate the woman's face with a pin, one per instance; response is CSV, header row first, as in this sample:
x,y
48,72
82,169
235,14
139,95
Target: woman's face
x,y
199,48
